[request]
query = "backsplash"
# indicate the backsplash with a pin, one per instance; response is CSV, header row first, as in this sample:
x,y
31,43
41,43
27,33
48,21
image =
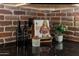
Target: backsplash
x,y
70,18
9,17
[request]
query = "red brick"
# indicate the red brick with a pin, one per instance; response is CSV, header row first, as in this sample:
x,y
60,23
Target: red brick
x,y
43,17
34,17
40,14
73,28
67,37
5,23
16,22
55,23
1,41
24,17
5,34
60,14
67,18
55,18
10,28
48,17
10,39
76,33
72,38
67,23
11,17
1,17
4,11
19,12
1,29
48,14
51,14
70,14
31,13
69,33
38,17
52,23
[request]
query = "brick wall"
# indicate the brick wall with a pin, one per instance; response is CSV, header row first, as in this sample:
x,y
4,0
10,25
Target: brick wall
x,y
70,18
9,17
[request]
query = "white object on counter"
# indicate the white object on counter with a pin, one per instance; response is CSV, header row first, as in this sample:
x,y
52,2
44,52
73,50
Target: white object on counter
x,y
59,38
36,42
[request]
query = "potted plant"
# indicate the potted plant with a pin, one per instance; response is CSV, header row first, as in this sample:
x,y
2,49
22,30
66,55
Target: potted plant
x,y
59,30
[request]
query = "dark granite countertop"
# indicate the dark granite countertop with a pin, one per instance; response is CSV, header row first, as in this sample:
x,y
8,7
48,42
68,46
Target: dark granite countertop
x,y
67,48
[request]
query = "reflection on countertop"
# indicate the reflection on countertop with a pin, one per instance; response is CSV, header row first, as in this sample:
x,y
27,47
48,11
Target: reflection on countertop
x,y
67,48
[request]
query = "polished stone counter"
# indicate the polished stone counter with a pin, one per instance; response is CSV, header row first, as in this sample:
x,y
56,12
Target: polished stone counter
x,y
67,48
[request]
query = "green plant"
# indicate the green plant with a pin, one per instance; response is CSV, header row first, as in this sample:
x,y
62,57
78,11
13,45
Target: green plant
x,y
60,29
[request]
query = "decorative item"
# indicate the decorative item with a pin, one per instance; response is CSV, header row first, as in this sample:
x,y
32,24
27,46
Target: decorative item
x,y
42,29
36,41
59,30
